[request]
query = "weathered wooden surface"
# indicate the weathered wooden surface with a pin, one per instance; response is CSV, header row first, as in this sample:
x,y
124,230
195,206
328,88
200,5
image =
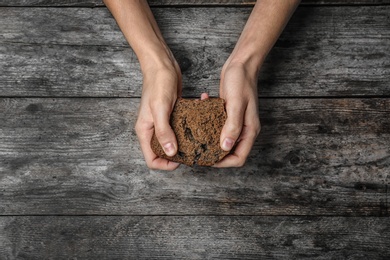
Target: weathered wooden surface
x,y
331,51
194,237
96,3
69,165
81,156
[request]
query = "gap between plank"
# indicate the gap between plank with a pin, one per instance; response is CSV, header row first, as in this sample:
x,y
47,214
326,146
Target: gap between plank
x,y
269,97
92,5
188,215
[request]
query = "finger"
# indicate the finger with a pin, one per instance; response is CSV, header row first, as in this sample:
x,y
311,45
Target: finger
x,y
235,110
163,164
204,96
247,138
164,133
242,150
152,160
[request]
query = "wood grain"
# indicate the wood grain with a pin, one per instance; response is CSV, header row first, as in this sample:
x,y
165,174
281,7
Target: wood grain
x,y
75,52
73,182
81,156
97,3
200,237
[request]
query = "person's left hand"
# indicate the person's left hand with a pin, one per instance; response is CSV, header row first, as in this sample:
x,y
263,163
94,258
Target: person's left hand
x,y
238,87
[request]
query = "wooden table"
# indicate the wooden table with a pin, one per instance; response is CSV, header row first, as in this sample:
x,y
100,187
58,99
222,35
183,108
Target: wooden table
x,y
73,181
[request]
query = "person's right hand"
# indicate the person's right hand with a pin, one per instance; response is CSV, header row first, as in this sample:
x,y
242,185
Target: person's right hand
x,y
161,87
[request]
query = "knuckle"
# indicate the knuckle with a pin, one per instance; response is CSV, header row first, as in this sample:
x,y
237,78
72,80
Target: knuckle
x,y
257,127
258,130
151,166
240,162
162,132
251,133
140,122
234,129
137,127
140,128
255,133
255,130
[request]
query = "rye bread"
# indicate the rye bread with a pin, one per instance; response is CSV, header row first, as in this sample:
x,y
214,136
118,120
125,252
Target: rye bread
x,y
197,125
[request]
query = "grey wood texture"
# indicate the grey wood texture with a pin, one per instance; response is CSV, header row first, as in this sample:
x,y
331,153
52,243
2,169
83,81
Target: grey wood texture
x,y
96,3
73,181
74,52
81,156
194,237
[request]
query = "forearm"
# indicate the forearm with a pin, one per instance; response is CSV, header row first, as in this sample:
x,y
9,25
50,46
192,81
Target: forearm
x,y
263,28
141,31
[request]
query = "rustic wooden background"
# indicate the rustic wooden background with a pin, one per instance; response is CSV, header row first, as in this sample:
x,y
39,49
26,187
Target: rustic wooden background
x,y
73,182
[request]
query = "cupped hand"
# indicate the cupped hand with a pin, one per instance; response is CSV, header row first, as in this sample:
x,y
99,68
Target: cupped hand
x,y
238,86
161,87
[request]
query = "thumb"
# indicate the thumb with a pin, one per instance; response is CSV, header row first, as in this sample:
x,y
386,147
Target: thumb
x,y
232,129
164,133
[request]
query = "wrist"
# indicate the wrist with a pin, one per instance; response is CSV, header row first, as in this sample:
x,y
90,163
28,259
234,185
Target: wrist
x,y
248,56
250,62
156,58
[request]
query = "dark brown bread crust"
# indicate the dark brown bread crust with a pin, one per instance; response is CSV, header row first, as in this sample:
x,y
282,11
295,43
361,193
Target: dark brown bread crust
x,y
197,125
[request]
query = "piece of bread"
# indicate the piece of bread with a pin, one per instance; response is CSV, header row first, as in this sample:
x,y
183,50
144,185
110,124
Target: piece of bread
x,y
197,125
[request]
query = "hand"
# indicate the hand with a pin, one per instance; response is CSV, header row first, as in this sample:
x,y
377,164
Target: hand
x,y
238,87
161,87
162,83
162,78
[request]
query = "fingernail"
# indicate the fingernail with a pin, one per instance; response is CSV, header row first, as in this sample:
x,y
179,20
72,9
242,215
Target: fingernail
x,y
169,149
227,144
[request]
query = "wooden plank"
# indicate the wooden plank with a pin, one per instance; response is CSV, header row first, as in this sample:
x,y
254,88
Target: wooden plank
x,y
97,3
194,237
81,156
333,51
